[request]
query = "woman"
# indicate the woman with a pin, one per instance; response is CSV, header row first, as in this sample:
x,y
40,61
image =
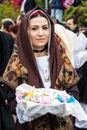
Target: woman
x,y
38,60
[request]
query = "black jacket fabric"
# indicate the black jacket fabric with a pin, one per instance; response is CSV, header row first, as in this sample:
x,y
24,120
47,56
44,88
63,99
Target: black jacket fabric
x,y
82,84
6,47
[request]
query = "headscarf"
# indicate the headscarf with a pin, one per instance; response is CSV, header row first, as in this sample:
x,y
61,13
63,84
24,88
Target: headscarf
x,y
27,56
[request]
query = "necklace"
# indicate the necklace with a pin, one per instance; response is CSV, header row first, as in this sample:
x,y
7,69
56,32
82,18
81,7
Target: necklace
x,y
38,51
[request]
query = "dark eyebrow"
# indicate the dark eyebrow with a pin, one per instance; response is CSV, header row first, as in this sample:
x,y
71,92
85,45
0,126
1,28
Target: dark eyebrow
x,y
37,25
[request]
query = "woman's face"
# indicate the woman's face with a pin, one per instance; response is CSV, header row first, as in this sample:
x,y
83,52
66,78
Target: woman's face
x,y
39,32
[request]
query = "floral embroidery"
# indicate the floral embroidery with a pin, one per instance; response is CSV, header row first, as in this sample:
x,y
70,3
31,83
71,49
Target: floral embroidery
x,y
15,72
67,76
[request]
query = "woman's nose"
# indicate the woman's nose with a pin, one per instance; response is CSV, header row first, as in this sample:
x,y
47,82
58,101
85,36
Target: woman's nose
x,y
40,32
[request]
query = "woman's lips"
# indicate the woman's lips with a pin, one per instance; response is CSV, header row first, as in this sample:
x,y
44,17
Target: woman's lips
x,y
40,39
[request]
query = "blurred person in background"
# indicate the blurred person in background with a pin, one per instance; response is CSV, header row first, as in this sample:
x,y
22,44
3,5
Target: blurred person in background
x,y
82,29
6,48
6,23
13,30
28,5
80,63
72,24
57,10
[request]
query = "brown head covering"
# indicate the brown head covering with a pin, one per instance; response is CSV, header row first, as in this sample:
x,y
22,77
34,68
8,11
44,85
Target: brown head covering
x,y
27,56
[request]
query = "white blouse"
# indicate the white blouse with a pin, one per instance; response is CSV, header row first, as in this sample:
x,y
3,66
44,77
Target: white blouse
x,y
44,70
80,52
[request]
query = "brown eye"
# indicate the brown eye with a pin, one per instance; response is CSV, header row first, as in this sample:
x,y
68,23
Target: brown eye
x,y
34,28
45,28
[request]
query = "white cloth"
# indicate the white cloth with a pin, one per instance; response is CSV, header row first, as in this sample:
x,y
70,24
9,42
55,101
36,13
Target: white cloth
x,y
44,69
82,124
80,51
28,110
68,40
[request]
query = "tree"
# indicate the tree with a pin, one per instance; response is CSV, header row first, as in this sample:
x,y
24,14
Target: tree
x,y
7,10
80,12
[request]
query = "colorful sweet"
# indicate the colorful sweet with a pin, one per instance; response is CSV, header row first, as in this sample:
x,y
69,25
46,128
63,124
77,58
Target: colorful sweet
x,y
64,98
45,97
71,99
